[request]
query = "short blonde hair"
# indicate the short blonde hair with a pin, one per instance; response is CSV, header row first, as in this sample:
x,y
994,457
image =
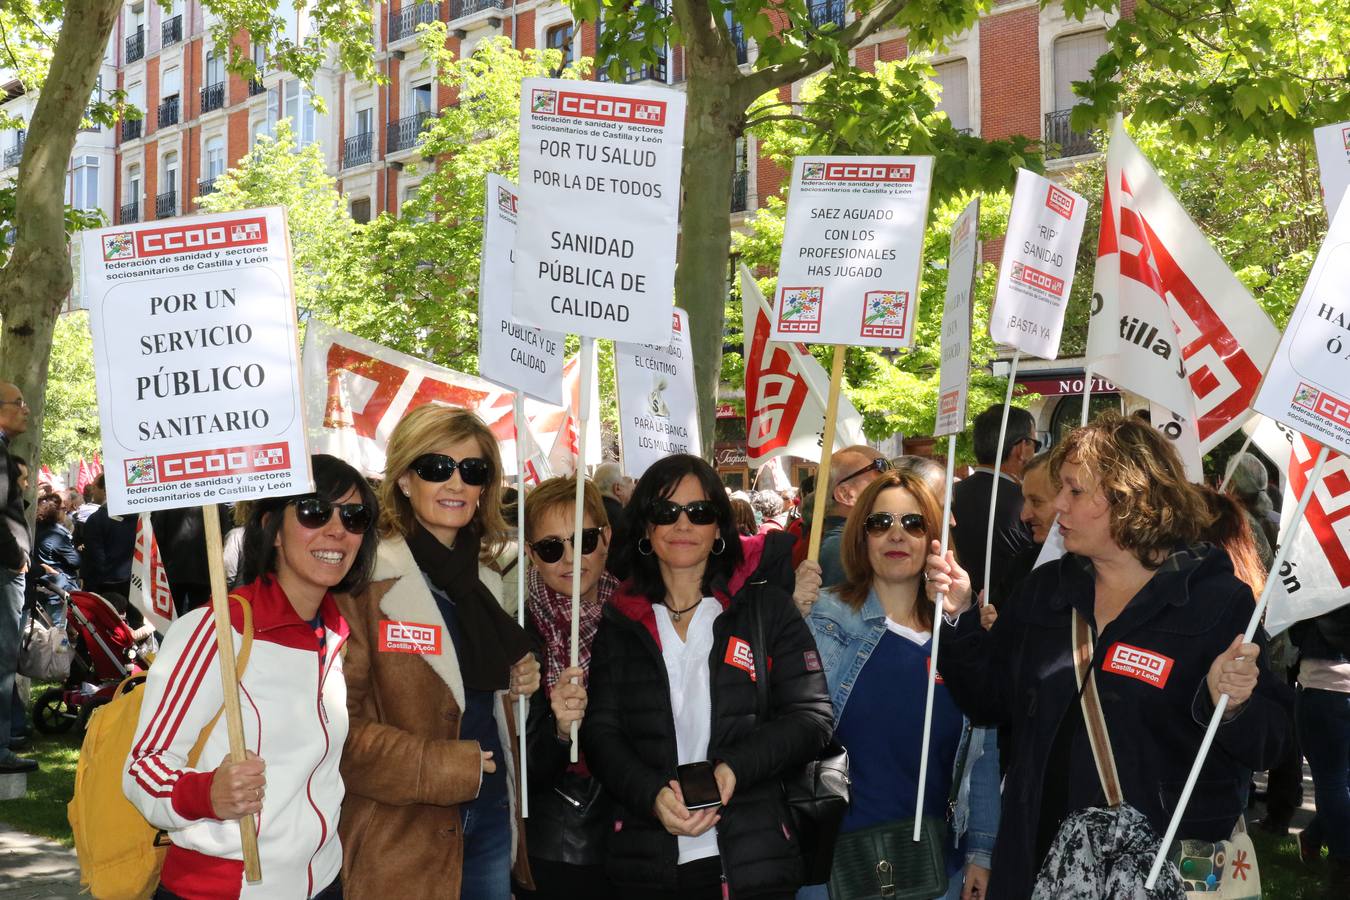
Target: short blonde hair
x,y
1153,506
422,431
561,492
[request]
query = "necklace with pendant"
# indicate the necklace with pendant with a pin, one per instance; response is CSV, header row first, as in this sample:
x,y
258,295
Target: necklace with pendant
x,y
676,614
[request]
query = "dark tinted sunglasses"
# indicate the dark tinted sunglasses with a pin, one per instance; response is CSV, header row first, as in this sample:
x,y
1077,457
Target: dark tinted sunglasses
x,y
879,523
314,512
1035,442
550,549
667,512
437,467
878,465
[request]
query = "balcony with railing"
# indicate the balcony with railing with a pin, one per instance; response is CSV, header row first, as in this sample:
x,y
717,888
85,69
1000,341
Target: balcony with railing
x,y
646,72
206,186
213,96
462,9
128,213
1070,142
14,154
171,32
403,134
168,112
135,46
256,86
356,149
405,21
166,205
740,191
823,12
131,129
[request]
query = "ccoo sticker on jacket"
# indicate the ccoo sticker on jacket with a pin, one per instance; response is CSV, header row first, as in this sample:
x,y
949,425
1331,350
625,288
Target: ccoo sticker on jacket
x,y
410,637
740,656
1135,662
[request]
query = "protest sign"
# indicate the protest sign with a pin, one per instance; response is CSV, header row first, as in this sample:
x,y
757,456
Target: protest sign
x,y
616,150
852,249
954,377
1036,274
658,405
513,354
1308,384
1333,158
785,390
195,360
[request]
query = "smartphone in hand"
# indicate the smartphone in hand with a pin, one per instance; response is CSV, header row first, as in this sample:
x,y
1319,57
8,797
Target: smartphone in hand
x,y
698,785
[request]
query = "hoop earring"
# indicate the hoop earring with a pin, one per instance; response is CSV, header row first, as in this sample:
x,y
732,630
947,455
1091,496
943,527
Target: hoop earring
x,y
719,545
644,547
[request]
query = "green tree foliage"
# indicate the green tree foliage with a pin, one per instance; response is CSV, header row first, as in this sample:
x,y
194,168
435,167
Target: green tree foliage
x,y
71,428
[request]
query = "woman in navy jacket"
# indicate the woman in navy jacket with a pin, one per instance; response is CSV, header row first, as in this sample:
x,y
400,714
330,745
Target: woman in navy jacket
x,y
1167,616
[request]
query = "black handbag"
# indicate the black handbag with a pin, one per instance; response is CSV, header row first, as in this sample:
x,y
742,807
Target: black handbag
x,y
817,793
884,861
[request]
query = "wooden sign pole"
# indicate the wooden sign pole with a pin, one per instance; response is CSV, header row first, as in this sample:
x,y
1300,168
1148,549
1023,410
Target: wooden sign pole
x,y
826,451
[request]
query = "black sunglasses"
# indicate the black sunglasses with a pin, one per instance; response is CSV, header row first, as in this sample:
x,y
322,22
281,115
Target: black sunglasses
x,y
1035,442
880,464
314,512
667,512
437,467
550,549
879,523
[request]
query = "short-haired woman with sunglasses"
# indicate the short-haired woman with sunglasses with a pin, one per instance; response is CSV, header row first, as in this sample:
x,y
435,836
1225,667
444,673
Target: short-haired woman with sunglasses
x,y
300,551
433,668
569,814
673,683
874,632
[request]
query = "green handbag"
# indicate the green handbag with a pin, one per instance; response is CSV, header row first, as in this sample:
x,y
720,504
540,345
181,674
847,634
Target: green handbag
x,y
885,861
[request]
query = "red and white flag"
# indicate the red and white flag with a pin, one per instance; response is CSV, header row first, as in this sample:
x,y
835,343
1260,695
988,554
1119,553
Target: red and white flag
x,y
1169,320
560,422
785,391
149,582
85,476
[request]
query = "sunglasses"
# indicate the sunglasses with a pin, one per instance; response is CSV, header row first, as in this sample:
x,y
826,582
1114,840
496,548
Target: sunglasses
x,y
315,512
878,465
1035,442
879,523
437,467
667,512
550,549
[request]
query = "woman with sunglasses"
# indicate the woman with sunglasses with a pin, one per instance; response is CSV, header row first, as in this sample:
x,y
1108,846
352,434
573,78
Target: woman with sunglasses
x,y
433,670
299,552
569,814
673,683
874,632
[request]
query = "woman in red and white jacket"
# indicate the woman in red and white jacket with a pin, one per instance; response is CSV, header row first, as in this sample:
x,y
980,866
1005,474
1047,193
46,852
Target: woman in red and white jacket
x,y
298,550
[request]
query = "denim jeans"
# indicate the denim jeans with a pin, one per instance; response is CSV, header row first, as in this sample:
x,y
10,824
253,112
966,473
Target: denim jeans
x,y
1324,731
487,852
12,715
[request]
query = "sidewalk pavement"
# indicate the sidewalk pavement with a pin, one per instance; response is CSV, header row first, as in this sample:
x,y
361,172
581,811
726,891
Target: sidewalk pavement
x,y
34,868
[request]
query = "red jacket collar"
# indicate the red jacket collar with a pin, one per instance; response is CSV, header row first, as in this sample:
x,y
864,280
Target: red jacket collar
x,y
274,615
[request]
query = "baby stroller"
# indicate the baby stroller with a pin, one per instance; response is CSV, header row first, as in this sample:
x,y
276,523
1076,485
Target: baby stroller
x,y
106,652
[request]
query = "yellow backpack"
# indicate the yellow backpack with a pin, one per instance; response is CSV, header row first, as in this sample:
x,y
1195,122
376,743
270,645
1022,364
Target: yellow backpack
x,y
120,852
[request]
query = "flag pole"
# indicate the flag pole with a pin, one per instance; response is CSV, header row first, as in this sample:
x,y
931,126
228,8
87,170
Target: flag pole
x,y
1087,394
1287,539
521,712
826,451
583,415
998,467
937,634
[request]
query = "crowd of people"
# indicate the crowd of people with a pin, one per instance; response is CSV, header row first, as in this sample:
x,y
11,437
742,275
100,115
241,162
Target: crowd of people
x,y
383,673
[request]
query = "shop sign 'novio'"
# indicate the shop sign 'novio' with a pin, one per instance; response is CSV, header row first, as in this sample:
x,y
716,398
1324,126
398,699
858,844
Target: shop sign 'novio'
x,y
598,107
869,172
184,238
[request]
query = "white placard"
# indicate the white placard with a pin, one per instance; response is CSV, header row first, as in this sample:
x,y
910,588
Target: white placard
x,y
658,405
519,356
1036,274
1333,158
1307,386
196,358
954,379
599,202
852,249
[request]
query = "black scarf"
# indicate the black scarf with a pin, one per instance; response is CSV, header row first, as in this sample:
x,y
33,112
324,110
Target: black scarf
x,y
492,641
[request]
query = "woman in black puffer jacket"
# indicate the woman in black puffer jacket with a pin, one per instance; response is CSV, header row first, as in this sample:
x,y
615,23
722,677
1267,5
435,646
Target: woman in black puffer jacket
x,y
672,682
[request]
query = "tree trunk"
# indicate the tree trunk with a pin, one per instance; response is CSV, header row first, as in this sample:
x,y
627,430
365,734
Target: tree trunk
x,y
711,128
35,281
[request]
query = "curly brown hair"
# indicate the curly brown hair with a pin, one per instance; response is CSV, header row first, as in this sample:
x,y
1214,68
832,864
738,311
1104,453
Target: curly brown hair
x,y
853,556
1153,506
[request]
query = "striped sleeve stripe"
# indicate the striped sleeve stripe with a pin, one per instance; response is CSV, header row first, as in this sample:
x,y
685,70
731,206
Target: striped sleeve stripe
x,y
184,666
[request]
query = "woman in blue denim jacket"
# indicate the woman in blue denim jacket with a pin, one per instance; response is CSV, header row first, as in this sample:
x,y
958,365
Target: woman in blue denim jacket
x,y
874,634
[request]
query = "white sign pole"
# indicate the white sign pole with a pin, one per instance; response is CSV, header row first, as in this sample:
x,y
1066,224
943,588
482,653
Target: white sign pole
x,y
1161,856
1083,415
587,363
998,468
521,712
